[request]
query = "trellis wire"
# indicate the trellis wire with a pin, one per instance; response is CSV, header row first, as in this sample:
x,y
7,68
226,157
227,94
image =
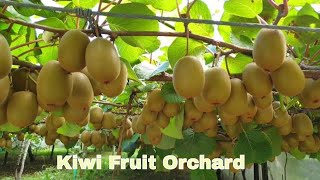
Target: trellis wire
x,y
82,12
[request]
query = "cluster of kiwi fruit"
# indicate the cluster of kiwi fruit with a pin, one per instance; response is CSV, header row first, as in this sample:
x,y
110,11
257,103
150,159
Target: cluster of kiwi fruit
x,y
97,138
155,115
6,141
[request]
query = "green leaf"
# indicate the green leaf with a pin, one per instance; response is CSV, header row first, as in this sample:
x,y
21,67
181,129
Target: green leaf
x,y
144,69
127,51
163,152
178,49
149,43
236,65
128,142
162,68
8,127
299,2
71,22
174,128
85,3
275,139
69,129
166,142
166,5
200,174
243,8
307,10
169,94
52,22
297,154
194,144
254,145
131,74
199,10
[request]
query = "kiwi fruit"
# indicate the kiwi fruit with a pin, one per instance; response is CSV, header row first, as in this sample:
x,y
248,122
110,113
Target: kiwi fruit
x,y
285,146
21,76
2,142
134,120
4,88
264,116
72,49
269,49
52,134
171,109
9,144
43,130
95,137
251,112
288,86
96,114
227,119
64,139
95,84
202,105
162,120
281,117
137,125
5,57
85,136
237,103
82,93
191,112
300,137
126,124
291,140
54,85
74,115
233,131
286,129
308,143
212,132
302,124
253,75
188,77
187,123
109,120
57,121
20,136
26,104
115,87
217,86
147,116
102,60
310,96
97,126
3,114
206,122
155,101
263,102
154,134
129,133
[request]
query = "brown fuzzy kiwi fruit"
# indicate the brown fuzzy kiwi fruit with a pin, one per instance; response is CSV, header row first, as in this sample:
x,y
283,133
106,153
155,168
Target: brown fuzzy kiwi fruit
x,y
288,86
154,134
286,129
22,109
155,101
253,75
171,109
285,146
96,114
72,49
187,123
206,122
292,140
4,88
54,85
281,116
127,124
2,142
227,119
20,136
251,112
5,57
82,93
116,87
237,102
21,76
191,112
162,120
217,87
310,96
64,139
57,121
109,120
233,131
147,116
213,132
269,49
3,114
202,105
74,115
102,60
188,77
263,102
43,131
84,122
264,116
85,136
302,124
94,83
95,137
140,127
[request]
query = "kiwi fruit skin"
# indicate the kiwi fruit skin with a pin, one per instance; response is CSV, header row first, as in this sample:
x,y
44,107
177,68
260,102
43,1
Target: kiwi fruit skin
x,y
286,129
202,105
71,50
288,86
82,93
140,127
217,87
310,96
191,112
188,77
21,76
102,60
85,136
117,86
264,116
302,124
154,134
74,115
96,114
291,140
147,116
26,104
237,103
251,112
162,120
54,85
109,120
263,102
254,75
5,57
281,117
228,119
95,84
206,122
213,132
57,121
155,101
269,49
171,109
3,113
4,88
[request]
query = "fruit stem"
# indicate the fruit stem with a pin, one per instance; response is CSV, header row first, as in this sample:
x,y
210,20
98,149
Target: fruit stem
x,y
282,106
